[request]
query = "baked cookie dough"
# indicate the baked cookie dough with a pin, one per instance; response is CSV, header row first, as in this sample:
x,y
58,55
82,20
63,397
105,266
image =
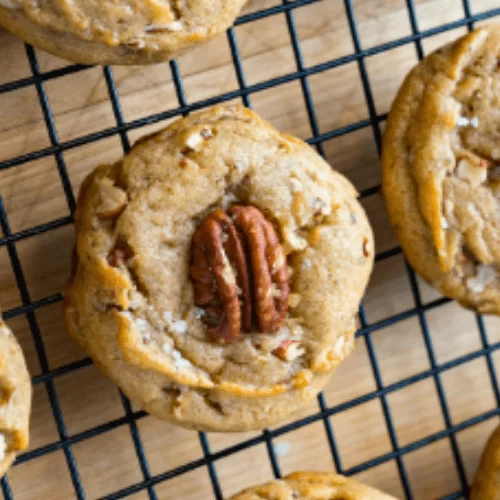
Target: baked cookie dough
x,y
487,482
118,31
162,219
15,399
312,486
441,169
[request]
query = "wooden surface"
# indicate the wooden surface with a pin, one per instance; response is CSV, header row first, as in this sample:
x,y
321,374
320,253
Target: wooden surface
x,y
33,195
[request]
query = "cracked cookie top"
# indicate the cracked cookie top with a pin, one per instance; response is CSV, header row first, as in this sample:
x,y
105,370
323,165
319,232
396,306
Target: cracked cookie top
x,y
117,31
441,169
132,286
15,399
312,486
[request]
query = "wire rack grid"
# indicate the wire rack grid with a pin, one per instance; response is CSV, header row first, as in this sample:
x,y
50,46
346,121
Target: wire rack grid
x,y
209,459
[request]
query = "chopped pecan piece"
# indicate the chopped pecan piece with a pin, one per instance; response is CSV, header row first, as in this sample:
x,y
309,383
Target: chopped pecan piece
x,y
239,273
117,258
120,253
366,247
288,350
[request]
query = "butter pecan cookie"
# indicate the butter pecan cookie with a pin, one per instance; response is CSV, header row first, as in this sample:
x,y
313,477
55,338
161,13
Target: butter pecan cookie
x,y
118,31
218,270
15,399
312,486
441,169
487,482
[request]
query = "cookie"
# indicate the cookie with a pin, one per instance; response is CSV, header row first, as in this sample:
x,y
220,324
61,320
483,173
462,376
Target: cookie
x,y
118,31
15,399
218,271
312,486
441,169
487,482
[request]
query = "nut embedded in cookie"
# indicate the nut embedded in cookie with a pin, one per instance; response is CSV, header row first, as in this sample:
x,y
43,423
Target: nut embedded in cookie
x,y
220,277
239,272
220,287
269,267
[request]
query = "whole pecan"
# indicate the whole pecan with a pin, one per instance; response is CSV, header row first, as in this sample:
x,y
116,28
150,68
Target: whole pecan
x,y
239,273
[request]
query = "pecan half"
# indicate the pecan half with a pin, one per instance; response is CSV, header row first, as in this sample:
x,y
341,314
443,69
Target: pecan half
x,y
268,264
239,273
219,271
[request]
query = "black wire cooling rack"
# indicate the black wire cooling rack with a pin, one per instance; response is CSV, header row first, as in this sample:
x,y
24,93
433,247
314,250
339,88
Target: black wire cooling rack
x,y
209,459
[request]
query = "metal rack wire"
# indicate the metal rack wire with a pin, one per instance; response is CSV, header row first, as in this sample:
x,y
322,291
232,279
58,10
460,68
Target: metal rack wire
x,y
245,92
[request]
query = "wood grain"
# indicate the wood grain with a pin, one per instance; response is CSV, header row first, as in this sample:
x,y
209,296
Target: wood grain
x,y
33,195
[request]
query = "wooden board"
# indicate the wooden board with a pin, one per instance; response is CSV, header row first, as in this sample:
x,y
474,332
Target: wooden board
x,y
33,195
